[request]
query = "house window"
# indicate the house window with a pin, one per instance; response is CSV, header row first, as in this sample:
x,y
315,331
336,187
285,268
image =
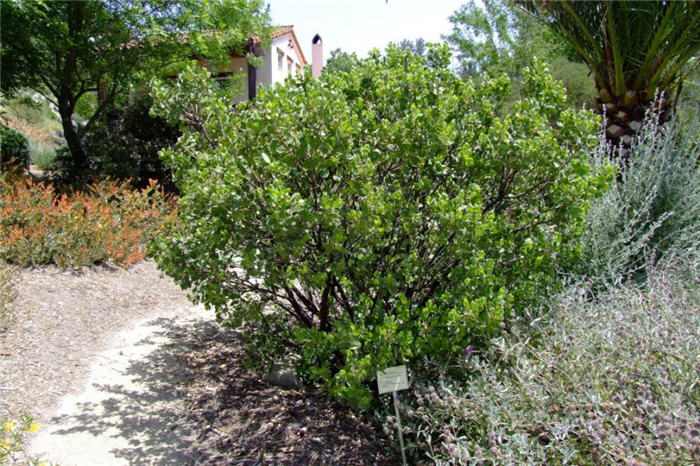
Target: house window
x,y
290,65
222,80
298,69
280,60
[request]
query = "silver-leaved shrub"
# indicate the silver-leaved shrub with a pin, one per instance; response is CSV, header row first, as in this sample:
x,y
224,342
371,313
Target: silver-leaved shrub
x,y
606,381
652,212
383,216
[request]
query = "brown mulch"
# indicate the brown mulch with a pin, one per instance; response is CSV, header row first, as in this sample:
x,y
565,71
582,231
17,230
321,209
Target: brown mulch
x,y
247,421
62,319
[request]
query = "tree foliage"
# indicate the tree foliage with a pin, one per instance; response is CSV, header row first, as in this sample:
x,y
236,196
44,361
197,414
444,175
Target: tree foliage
x,y
67,49
493,37
390,214
124,147
341,61
418,46
631,45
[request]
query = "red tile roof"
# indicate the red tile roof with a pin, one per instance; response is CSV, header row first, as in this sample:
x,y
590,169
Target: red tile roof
x,y
277,31
280,31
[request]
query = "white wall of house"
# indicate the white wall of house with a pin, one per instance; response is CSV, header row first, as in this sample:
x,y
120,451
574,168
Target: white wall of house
x,y
237,69
280,59
239,66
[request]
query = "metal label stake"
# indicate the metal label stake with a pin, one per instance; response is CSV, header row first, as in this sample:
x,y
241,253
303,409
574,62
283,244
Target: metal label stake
x,y
398,423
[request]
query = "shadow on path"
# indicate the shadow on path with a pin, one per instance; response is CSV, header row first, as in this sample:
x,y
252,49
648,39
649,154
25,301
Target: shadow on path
x,y
131,411
247,421
175,392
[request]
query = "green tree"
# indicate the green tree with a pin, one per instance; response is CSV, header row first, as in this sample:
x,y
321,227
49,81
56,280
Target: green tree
x,y
417,46
341,61
69,49
123,147
390,214
636,50
482,36
494,37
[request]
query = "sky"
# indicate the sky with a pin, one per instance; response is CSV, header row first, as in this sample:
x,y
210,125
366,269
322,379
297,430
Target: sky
x,y
361,25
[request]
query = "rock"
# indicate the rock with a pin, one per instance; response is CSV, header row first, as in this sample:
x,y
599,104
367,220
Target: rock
x,y
283,375
635,125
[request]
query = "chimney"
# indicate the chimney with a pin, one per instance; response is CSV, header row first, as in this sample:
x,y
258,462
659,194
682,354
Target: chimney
x,y
316,56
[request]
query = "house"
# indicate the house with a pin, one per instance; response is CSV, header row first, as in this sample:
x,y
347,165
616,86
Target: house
x,y
281,58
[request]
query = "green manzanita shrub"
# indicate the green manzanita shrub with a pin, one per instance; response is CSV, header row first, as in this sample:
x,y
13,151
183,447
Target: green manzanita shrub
x,y
387,215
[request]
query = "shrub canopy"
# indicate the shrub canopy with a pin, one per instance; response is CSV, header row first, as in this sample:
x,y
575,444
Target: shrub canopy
x,y
124,147
381,216
605,381
14,150
652,213
105,222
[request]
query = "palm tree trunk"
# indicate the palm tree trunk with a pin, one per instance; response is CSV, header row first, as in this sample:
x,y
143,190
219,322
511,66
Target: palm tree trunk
x,y
625,114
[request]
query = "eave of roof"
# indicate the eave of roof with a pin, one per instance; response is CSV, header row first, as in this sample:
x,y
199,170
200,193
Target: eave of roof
x,y
277,32
280,31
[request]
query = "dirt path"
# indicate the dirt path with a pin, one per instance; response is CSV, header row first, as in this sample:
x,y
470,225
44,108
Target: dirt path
x,y
130,410
61,319
122,369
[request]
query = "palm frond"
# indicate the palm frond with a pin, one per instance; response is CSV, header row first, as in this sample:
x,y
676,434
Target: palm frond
x,y
628,45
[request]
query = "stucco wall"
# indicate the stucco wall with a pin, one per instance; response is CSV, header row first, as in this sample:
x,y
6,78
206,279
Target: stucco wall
x,y
270,72
239,65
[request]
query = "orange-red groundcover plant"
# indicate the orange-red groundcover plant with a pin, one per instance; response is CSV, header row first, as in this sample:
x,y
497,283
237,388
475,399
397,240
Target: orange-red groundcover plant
x,y
106,222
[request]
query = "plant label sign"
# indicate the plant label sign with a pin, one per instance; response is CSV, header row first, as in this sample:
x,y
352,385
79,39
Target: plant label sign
x,y
392,379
